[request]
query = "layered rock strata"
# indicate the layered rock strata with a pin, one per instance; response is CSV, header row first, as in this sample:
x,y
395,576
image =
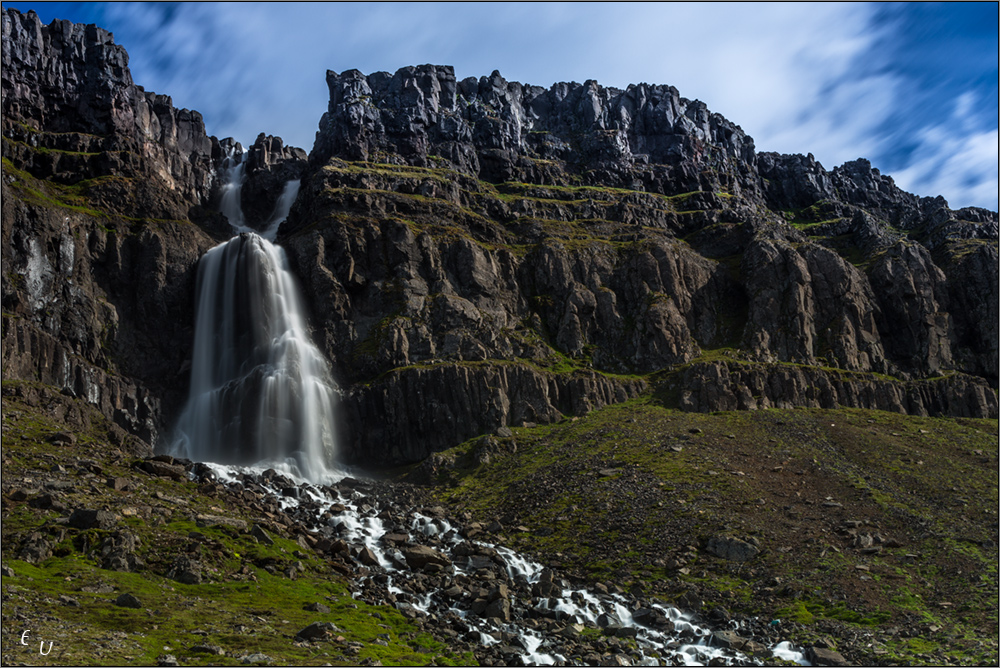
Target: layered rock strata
x,y
483,221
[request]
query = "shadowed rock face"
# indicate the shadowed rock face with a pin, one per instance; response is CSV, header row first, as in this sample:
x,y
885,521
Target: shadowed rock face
x,y
72,78
99,254
481,254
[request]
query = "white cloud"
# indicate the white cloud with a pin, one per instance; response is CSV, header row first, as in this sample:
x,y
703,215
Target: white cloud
x,y
961,167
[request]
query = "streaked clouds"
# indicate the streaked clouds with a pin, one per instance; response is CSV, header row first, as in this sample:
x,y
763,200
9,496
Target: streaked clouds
x,y
911,87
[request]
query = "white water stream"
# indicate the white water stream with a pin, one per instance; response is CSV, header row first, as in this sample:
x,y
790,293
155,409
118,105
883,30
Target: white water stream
x,y
684,641
261,395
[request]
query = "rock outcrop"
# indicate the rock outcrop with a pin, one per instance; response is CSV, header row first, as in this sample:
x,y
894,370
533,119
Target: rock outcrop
x,y
269,166
733,386
71,112
480,254
644,138
450,222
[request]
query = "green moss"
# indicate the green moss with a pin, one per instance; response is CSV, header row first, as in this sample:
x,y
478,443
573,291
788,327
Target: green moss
x,y
49,151
50,194
242,617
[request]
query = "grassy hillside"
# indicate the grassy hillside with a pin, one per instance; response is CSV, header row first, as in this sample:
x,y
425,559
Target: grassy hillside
x,y
877,528
877,535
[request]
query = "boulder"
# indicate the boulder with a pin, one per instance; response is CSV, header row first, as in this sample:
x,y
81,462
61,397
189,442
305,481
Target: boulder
x,y
128,601
733,549
318,630
83,518
821,656
262,536
420,556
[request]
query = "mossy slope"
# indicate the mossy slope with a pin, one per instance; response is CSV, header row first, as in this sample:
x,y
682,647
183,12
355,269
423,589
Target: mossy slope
x,y
868,522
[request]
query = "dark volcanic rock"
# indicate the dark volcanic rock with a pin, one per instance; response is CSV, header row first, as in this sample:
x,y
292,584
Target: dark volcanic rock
x,y
821,656
493,128
732,386
419,556
128,601
72,78
460,402
317,630
407,309
88,519
731,548
118,552
269,166
36,548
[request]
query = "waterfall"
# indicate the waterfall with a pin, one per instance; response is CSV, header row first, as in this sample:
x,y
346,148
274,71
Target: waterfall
x,y
281,209
260,392
232,189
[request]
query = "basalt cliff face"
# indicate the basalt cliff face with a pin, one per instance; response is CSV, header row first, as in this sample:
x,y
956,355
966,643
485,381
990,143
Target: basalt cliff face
x,y
480,254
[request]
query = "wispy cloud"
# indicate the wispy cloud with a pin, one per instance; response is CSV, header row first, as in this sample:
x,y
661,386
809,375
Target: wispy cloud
x,y
841,81
955,158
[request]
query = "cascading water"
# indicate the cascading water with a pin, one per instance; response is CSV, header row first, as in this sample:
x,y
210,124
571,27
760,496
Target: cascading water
x,y
232,189
260,391
354,527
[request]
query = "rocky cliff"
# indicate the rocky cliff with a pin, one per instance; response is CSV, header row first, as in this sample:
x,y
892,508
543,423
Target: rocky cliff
x,y
479,254
481,225
100,182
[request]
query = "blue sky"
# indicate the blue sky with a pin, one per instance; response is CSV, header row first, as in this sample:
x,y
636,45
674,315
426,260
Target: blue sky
x,y
912,87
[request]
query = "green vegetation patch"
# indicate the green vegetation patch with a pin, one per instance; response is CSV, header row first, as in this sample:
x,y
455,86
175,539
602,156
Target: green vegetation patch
x,y
49,193
863,519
